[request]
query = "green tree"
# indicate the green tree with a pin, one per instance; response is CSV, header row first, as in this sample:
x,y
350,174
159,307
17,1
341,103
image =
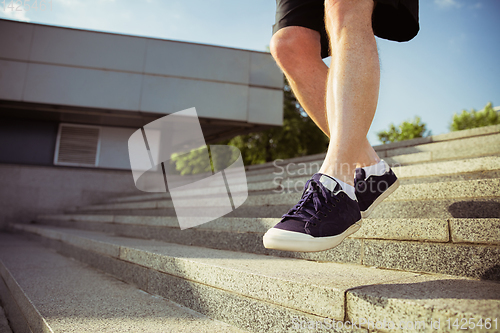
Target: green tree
x,y
299,136
196,161
405,131
465,120
191,164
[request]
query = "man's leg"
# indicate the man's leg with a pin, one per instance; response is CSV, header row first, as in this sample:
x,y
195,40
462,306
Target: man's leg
x,y
328,210
297,50
352,86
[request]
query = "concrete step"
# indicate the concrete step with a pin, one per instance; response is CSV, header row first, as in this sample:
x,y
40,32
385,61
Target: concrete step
x,y
450,146
46,292
482,167
4,323
419,209
472,244
457,135
458,230
269,294
467,147
456,190
387,150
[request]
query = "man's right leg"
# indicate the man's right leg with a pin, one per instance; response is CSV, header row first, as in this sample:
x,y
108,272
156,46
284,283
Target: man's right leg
x,y
297,50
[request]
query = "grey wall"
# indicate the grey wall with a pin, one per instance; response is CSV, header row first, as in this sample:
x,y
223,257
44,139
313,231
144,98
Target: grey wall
x,y
114,148
62,66
27,141
26,191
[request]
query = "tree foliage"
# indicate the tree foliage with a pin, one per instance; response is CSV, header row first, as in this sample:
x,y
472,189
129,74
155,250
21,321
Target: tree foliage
x,y
202,160
299,136
405,131
472,119
193,163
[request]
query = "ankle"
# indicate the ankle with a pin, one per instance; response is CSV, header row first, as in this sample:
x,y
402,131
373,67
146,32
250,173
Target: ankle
x,y
377,169
369,161
331,182
346,178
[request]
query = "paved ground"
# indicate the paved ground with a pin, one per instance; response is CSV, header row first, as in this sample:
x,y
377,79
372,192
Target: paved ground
x,y
4,324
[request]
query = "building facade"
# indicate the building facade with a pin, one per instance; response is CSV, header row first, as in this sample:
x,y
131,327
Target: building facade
x,y
70,99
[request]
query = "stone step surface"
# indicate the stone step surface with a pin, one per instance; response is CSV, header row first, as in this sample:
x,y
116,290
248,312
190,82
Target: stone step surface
x,y
485,207
453,148
472,244
103,253
47,292
321,290
423,150
477,188
423,258
457,135
386,150
482,167
4,323
458,230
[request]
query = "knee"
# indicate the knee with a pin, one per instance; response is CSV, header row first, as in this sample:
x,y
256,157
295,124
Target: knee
x,y
342,14
282,46
292,46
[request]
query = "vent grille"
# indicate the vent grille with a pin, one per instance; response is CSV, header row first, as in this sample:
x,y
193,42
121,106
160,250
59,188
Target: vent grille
x,y
77,145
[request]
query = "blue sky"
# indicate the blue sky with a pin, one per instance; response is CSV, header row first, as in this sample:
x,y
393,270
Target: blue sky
x,y
453,63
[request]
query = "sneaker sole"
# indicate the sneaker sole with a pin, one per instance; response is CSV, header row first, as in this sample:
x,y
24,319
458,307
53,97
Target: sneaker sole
x,y
284,240
388,192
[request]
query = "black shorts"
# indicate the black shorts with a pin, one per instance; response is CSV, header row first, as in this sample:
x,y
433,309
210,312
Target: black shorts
x,y
395,20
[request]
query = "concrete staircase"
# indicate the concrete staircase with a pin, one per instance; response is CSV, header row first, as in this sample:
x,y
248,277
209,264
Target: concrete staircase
x,y
428,258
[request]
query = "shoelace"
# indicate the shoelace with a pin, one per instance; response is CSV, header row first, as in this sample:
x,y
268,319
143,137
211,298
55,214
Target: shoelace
x,y
302,211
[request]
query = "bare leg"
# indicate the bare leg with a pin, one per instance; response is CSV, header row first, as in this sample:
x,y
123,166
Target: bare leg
x,y
352,86
351,99
297,51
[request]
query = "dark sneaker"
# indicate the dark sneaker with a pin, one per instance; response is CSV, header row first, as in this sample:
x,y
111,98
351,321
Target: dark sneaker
x,y
321,220
371,190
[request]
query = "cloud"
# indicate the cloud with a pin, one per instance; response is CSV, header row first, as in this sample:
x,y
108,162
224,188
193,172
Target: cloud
x,y
458,43
477,5
14,15
446,4
67,3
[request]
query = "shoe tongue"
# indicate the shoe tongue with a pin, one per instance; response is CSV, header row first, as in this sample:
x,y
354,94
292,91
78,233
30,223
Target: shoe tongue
x,y
328,182
360,174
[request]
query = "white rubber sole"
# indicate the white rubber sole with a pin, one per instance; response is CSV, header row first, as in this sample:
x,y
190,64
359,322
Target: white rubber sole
x,y
384,195
284,240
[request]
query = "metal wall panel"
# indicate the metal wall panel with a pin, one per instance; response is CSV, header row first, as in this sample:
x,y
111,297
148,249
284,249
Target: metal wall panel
x,y
108,71
262,106
211,99
12,74
82,87
264,72
114,147
197,61
15,39
88,49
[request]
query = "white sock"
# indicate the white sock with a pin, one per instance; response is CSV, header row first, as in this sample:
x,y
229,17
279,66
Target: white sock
x,y
377,169
329,183
349,189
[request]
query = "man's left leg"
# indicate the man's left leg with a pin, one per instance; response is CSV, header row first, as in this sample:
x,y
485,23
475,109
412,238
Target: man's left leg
x,y
351,101
353,84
